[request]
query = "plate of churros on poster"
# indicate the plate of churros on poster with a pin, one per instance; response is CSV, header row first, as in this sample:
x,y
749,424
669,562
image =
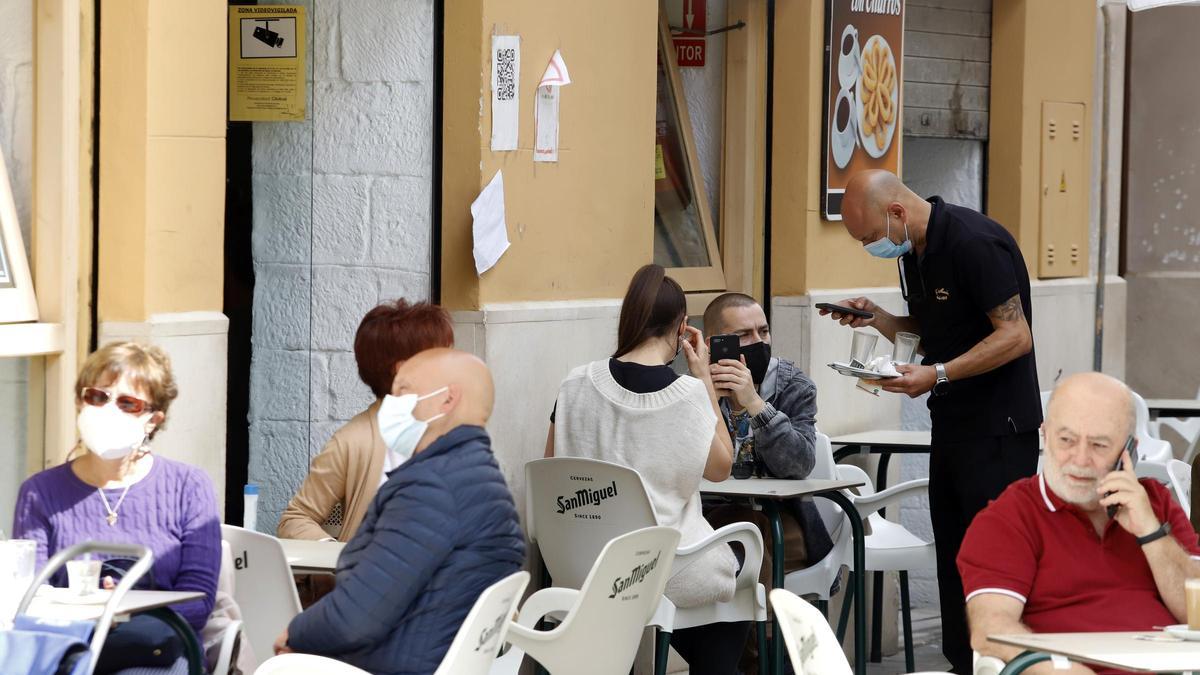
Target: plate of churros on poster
x,y
877,97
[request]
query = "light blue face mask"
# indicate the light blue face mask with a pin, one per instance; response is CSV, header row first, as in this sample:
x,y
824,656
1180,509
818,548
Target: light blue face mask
x,y
885,247
401,431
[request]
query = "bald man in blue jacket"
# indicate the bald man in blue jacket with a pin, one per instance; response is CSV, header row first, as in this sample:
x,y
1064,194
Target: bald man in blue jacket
x,y
442,528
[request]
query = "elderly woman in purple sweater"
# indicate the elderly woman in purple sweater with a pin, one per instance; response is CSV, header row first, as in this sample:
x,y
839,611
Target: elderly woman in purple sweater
x,y
115,489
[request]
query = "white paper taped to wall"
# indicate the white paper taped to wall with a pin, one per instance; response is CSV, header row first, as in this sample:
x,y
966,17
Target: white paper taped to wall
x,y
489,229
545,110
506,85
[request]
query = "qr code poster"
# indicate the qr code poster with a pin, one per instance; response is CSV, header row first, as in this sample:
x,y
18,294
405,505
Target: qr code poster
x,y
268,38
506,86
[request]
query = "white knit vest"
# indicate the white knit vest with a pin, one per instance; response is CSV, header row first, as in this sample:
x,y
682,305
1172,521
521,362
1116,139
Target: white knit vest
x,y
665,436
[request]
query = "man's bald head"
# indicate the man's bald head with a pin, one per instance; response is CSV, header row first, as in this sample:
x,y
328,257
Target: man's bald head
x,y
468,397
871,194
1100,395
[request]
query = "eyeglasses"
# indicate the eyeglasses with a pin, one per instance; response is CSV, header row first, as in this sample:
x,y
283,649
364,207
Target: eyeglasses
x,y
128,404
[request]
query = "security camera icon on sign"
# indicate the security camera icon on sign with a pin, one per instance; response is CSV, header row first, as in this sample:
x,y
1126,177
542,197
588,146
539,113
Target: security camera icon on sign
x,y
267,36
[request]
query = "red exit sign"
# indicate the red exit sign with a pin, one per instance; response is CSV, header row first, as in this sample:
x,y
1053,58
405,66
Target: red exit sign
x,y
690,41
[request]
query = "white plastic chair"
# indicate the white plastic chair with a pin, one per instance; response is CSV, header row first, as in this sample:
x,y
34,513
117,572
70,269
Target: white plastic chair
x,y
811,645
1174,474
890,547
306,664
817,579
263,586
569,545
602,622
483,632
1187,429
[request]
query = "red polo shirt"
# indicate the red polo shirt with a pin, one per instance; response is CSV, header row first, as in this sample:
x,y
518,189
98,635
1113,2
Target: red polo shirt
x,y
1033,546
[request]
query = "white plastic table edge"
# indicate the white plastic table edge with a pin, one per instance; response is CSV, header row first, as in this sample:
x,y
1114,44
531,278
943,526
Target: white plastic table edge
x,y
1045,643
775,488
135,601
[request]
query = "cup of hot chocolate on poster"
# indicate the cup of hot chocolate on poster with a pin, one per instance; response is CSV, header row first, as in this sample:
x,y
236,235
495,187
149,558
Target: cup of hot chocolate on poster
x,y
842,131
849,57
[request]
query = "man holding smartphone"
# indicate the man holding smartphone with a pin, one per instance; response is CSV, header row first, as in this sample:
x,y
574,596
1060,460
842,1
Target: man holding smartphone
x,y
967,288
770,408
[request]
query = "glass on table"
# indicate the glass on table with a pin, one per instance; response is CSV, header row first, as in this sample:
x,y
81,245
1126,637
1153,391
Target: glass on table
x,y
905,347
17,559
862,348
83,576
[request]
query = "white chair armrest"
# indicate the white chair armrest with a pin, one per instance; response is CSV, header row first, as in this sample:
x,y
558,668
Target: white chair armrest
x,y
229,638
881,500
746,534
987,665
545,601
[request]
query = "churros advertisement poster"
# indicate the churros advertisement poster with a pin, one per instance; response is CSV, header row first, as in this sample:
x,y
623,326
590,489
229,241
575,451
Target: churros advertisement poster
x,y
862,125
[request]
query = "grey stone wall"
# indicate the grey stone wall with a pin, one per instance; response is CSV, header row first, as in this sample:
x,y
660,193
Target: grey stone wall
x,y
341,223
16,143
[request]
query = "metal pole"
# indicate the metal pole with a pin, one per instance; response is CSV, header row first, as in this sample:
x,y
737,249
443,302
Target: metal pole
x,y
1101,265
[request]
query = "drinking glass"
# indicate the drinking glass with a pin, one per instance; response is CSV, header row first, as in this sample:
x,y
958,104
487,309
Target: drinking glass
x,y
862,348
1191,590
83,576
17,558
905,347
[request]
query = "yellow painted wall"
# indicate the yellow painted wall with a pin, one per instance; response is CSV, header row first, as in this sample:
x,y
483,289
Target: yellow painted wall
x,y
579,228
162,158
1041,51
806,251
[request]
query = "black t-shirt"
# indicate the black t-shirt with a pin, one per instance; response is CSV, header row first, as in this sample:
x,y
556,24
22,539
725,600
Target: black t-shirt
x,y
637,378
971,265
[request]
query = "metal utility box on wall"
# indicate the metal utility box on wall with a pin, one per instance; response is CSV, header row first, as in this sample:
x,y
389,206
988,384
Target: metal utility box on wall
x,y
1063,245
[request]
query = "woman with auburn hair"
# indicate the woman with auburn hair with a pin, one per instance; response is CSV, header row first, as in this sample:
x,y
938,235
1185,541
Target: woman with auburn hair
x,y
119,489
632,409
343,478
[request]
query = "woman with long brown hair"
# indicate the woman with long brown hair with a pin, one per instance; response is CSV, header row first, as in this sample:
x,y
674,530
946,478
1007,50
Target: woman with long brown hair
x,y
632,409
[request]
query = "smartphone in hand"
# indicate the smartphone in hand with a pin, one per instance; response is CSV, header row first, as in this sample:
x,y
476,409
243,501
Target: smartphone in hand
x,y
1131,448
724,347
842,309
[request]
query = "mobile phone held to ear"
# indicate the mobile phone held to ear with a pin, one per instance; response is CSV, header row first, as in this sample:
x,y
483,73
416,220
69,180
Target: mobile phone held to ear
x,y
1131,448
724,347
842,309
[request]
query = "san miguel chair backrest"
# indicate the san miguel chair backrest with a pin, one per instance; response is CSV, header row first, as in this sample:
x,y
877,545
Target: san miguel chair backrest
x,y
603,625
483,632
263,586
576,506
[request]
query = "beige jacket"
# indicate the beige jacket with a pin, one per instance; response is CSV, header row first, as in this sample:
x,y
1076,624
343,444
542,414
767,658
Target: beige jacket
x,y
348,472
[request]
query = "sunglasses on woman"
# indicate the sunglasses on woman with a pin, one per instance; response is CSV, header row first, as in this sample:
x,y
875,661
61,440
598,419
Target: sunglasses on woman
x,y
129,404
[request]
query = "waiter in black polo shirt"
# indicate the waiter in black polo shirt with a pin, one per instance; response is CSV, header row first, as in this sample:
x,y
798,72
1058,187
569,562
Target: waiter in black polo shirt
x,y
967,289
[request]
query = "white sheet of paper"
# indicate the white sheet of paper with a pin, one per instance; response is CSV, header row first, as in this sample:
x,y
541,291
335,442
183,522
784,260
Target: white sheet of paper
x,y
545,110
506,86
489,230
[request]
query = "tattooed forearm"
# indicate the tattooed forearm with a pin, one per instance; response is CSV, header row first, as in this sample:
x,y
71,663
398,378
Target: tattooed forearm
x,y
1009,310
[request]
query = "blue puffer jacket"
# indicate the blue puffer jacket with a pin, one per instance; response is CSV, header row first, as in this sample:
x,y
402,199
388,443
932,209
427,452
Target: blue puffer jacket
x,y
441,530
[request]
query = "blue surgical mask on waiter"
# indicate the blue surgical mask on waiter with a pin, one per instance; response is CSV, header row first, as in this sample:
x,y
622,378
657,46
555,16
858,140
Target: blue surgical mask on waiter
x,y
885,247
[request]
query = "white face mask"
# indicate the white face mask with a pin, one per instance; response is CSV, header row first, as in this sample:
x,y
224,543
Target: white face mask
x,y
400,430
111,433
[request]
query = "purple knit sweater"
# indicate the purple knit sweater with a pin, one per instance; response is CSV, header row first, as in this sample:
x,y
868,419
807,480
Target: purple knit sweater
x,y
173,511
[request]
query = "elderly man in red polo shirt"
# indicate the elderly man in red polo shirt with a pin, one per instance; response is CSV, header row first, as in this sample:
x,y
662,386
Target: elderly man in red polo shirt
x,y
1046,557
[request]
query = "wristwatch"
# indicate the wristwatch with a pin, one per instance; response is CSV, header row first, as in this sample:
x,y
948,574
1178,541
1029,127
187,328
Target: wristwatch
x,y
943,383
1162,531
763,418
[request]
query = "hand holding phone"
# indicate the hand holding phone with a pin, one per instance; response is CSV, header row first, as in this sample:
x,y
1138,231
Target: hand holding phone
x,y
1131,448
853,312
829,308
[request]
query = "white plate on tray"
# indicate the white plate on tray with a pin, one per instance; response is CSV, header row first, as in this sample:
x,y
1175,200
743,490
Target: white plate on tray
x,y
853,371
